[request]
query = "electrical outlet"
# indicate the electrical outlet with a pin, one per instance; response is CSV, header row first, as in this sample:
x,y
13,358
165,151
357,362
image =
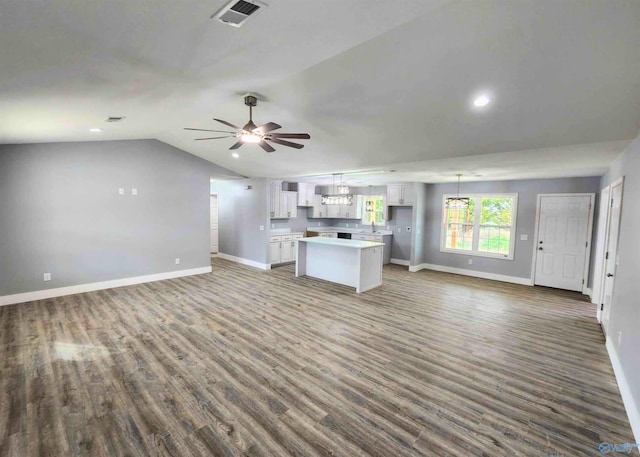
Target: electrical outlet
x,y
399,229
121,191
262,227
470,261
177,260
272,226
134,191
619,338
356,225
47,276
347,225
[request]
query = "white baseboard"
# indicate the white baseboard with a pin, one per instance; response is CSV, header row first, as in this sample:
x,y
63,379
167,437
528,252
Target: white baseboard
x,y
251,263
81,288
400,262
473,273
632,407
588,292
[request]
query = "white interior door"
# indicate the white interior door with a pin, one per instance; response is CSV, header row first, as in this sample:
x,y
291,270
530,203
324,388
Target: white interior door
x,y
563,229
611,255
213,213
601,242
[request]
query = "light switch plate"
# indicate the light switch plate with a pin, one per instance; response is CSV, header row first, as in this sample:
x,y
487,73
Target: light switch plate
x,y
134,191
262,227
470,261
177,260
121,191
524,237
47,276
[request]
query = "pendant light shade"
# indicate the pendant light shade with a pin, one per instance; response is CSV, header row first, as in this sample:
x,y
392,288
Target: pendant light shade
x,y
340,196
457,202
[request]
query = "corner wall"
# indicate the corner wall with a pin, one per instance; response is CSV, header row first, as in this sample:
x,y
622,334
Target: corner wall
x,y
624,320
243,220
61,213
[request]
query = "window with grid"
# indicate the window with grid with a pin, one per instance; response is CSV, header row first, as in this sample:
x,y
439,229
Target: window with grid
x,y
486,227
373,209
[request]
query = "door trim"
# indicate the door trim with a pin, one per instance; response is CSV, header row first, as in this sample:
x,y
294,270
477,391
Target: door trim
x,y
603,211
617,182
587,260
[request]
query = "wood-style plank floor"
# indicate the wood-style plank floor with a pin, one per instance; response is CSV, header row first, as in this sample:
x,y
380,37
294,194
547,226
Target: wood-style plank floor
x,y
242,362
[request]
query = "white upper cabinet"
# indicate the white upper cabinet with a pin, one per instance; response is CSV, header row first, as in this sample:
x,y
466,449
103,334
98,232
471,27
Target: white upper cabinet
x,y
333,211
288,204
353,211
319,210
306,193
400,195
275,194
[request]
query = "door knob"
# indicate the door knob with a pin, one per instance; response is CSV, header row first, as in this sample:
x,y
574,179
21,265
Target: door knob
x,y
609,275
540,249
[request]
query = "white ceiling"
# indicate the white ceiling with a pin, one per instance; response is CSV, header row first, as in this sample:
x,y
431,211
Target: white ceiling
x,y
379,85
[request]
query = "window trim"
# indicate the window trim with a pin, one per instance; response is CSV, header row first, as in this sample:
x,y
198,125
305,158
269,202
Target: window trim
x,y
476,233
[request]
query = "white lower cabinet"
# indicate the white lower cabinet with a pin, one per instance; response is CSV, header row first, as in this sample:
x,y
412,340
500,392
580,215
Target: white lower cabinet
x,y
282,248
274,252
287,251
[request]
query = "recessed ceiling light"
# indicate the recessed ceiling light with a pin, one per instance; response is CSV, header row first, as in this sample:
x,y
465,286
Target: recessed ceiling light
x,y
235,155
95,130
481,101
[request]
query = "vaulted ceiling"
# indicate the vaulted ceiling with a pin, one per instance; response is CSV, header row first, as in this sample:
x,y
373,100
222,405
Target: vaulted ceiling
x,y
379,85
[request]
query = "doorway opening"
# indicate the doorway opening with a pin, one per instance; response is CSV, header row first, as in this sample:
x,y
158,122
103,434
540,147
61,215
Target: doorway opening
x,y
607,251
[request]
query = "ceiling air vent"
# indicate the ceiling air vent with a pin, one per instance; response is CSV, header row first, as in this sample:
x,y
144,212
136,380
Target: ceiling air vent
x,y
237,12
114,119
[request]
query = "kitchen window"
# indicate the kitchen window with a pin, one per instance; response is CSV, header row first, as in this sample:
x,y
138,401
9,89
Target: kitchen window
x,y
374,209
486,227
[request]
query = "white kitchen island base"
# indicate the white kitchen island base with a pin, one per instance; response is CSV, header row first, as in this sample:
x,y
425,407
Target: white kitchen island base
x,y
348,262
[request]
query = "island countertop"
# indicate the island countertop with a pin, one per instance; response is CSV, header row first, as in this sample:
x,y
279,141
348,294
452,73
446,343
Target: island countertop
x,y
353,244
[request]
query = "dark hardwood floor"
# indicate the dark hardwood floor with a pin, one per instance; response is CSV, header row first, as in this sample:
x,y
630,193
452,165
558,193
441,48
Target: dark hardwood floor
x,y
242,362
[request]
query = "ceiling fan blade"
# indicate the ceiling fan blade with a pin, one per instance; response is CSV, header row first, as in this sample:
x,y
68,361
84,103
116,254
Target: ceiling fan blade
x,y
299,136
286,143
214,138
207,130
265,146
227,123
268,127
237,145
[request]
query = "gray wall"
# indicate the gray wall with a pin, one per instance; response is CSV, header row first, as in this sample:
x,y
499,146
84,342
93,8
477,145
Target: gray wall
x,y
420,222
625,312
61,212
241,213
527,191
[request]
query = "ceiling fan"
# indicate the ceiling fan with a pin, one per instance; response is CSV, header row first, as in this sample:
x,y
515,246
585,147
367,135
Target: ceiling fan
x,y
251,133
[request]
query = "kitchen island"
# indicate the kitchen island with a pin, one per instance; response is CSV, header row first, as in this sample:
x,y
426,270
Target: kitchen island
x,y
348,262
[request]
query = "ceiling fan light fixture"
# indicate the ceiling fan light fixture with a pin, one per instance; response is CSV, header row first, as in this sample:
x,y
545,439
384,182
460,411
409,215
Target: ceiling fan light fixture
x,y
251,138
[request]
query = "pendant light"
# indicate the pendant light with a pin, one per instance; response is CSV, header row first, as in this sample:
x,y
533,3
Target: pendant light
x,y
457,202
341,196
